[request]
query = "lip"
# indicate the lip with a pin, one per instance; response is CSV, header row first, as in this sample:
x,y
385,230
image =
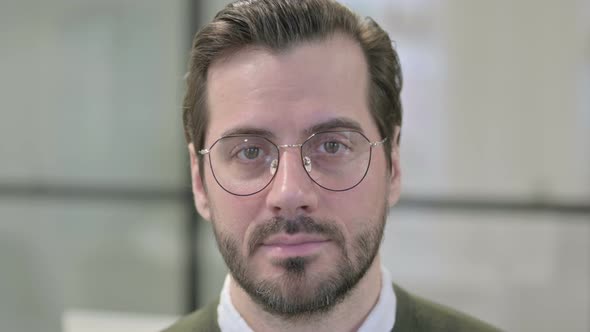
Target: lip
x,y
291,240
299,245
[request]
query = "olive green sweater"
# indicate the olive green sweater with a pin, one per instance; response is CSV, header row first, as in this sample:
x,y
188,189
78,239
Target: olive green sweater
x,y
413,314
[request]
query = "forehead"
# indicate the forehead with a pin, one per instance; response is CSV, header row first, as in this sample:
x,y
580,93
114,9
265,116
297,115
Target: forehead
x,y
288,92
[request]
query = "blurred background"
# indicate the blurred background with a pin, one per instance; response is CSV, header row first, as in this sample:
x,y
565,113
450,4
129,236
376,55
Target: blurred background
x,y
95,205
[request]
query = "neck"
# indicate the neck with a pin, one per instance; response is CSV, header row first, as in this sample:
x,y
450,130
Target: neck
x,y
347,315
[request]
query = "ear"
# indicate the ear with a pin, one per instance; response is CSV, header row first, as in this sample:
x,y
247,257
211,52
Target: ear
x,y
396,172
199,192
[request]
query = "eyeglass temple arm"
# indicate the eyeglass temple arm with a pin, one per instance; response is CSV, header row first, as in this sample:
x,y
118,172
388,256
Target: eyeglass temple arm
x,y
378,142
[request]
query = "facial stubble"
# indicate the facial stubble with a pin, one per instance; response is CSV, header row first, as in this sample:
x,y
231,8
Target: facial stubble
x,y
299,293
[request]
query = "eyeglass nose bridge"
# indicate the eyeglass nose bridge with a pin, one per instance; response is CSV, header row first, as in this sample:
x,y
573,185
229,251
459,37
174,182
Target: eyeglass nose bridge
x,y
284,146
306,160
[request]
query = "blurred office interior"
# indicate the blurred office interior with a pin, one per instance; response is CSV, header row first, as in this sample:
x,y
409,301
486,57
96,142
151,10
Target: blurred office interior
x,y
95,205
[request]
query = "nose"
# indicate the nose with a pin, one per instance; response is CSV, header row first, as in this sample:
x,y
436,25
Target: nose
x,y
292,192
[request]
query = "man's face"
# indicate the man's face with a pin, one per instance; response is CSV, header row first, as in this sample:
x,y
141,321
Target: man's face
x,y
295,247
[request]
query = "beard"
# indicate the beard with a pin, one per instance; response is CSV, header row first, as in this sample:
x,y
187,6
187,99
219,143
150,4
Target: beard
x,y
299,292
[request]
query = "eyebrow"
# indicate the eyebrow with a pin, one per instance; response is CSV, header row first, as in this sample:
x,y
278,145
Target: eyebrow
x,y
337,123
247,130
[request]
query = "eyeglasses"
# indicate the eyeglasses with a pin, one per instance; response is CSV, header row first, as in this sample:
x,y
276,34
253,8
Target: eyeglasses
x,y
244,165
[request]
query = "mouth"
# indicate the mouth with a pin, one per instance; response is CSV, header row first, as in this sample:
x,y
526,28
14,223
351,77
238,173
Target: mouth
x,y
298,245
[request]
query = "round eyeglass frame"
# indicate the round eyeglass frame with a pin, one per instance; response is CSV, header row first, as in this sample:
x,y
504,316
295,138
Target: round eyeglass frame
x,y
204,152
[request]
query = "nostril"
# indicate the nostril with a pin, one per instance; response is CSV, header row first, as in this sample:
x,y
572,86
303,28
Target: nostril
x,y
278,210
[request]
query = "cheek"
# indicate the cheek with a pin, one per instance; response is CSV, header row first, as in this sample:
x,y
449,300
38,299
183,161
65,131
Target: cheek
x,y
362,204
233,214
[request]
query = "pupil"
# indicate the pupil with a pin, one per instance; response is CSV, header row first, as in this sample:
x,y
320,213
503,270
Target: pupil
x,y
251,153
331,147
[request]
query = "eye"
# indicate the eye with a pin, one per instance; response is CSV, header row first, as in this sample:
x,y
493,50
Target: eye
x,y
249,153
332,146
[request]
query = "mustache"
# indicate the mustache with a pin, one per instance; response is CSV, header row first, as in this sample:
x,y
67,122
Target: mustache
x,y
300,224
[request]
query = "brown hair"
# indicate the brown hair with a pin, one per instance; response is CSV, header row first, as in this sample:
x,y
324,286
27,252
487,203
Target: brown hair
x,y
278,25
